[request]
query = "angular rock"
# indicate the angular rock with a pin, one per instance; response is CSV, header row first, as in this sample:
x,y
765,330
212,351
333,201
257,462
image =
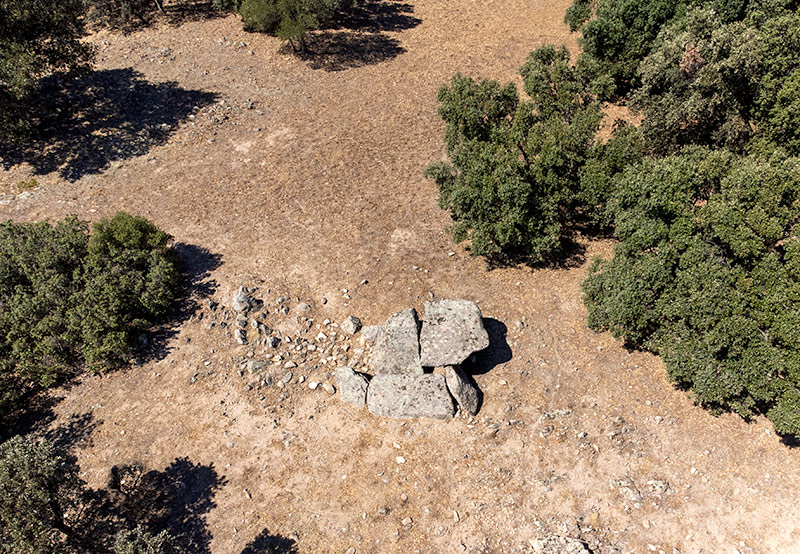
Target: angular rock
x,y
370,333
463,391
243,301
410,396
256,366
559,545
451,331
351,325
396,349
352,386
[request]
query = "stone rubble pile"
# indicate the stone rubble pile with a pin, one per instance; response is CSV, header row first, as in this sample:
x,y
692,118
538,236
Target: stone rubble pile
x,y
404,347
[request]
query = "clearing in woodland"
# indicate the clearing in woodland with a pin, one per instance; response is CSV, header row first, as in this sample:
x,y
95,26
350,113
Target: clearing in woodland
x,y
304,177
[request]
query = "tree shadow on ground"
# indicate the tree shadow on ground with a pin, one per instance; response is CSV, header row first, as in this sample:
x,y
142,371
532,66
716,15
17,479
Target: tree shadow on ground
x,y
180,12
85,123
376,16
340,50
569,255
145,14
357,38
75,433
498,352
176,499
267,543
197,264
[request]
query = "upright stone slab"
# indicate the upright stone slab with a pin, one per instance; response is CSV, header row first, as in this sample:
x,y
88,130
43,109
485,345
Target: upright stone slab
x,y
352,386
410,396
451,331
463,391
396,350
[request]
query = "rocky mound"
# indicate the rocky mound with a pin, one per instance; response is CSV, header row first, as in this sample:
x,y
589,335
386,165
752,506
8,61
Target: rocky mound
x,y
416,365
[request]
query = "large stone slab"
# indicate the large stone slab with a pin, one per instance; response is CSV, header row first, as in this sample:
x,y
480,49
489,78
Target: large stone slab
x,y
396,350
463,391
410,396
352,386
451,331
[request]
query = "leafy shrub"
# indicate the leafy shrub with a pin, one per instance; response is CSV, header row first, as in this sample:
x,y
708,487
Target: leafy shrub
x,y
37,38
40,498
67,299
287,19
707,274
512,180
140,541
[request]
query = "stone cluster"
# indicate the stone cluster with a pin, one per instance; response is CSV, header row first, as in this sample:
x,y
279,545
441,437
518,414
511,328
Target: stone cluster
x,y
416,364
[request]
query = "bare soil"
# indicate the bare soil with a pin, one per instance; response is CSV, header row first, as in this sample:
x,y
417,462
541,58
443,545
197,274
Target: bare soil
x,y
304,177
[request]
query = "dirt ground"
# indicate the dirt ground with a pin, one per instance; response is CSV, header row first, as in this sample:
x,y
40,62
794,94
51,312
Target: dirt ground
x,y
304,178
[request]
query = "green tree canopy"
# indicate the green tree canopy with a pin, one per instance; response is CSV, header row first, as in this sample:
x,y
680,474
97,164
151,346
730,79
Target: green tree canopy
x,y
707,274
37,38
512,180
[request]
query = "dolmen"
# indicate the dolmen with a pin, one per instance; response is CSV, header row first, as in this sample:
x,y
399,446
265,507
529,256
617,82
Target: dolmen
x,y
405,353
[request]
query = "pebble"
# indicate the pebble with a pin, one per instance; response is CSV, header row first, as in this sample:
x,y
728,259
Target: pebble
x,y
330,389
400,460
313,385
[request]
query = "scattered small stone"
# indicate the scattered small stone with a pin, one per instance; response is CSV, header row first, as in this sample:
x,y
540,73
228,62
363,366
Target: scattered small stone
x,y
289,365
351,325
313,385
559,545
330,389
243,301
303,308
255,366
400,460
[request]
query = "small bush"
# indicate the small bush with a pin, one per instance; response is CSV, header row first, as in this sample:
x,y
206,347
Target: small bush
x,y
140,541
288,19
41,497
68,300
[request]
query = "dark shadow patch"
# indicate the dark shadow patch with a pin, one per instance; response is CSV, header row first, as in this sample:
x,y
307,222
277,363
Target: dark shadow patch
x,y
498,352
178,13
85,123
75,433
36,416
340,50
176,499
376,16
129,17
267,543
356,37
570,254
